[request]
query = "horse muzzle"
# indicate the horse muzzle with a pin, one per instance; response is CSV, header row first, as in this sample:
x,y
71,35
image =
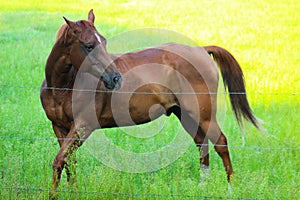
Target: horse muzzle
x,y
112,82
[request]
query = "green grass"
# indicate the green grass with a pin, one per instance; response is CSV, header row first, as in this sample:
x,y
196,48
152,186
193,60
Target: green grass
x,y
262,35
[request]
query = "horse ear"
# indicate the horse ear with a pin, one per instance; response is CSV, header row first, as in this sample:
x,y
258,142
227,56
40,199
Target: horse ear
x,y
91,16
70,23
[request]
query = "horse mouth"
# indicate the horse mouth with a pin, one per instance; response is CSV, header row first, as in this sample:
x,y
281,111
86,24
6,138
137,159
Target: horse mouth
x,y
112,86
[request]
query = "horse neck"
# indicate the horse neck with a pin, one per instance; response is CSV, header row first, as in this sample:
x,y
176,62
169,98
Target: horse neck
x,y
59,71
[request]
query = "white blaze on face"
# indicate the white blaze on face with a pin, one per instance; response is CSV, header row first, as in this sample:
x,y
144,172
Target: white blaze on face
x,y
98,38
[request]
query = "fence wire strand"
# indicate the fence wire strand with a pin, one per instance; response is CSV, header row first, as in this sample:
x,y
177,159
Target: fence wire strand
x,y
144,93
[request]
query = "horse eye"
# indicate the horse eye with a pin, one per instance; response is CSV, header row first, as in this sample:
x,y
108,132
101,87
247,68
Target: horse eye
x,y
89,48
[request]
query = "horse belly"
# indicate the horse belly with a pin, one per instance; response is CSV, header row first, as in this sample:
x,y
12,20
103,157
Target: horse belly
x,y
147,113
136,109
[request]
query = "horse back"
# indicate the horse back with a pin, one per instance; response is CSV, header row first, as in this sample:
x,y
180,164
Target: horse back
x,y
173,63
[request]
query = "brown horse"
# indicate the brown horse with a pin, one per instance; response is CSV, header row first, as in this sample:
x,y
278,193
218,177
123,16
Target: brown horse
x,y
82,91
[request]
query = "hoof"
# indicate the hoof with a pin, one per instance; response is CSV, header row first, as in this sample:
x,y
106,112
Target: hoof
x,y
229,189
204,173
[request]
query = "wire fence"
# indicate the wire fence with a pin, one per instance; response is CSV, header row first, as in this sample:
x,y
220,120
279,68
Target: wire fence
x,y
145,143
146,93
27,140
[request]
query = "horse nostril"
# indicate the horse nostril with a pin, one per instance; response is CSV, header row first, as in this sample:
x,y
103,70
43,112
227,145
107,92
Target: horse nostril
x,y
116,78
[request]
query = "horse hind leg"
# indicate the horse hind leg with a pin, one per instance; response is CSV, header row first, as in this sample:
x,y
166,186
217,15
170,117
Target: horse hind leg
x,y
204,128
196,132
202,143
215,135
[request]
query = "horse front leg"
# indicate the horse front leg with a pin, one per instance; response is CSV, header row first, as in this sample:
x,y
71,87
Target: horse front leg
x,y
57,166
74,139
70,166
71,169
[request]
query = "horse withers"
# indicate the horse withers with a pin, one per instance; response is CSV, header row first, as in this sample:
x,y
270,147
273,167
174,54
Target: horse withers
x,y
82,91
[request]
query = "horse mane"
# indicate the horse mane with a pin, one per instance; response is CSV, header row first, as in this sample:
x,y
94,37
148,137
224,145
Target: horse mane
x,y
62,32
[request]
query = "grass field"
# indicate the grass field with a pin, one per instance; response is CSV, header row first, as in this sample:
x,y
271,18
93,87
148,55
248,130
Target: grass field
x,y
262,35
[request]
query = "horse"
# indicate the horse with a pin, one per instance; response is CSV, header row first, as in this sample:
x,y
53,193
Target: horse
x,y
86,88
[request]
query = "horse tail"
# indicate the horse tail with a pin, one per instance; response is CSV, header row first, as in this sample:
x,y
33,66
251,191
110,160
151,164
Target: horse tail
x,y
233,79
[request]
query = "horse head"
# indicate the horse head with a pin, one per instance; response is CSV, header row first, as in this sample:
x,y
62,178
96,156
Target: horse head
x,y
88,51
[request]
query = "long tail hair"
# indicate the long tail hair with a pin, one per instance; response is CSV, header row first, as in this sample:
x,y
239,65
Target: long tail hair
x,y
234,83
